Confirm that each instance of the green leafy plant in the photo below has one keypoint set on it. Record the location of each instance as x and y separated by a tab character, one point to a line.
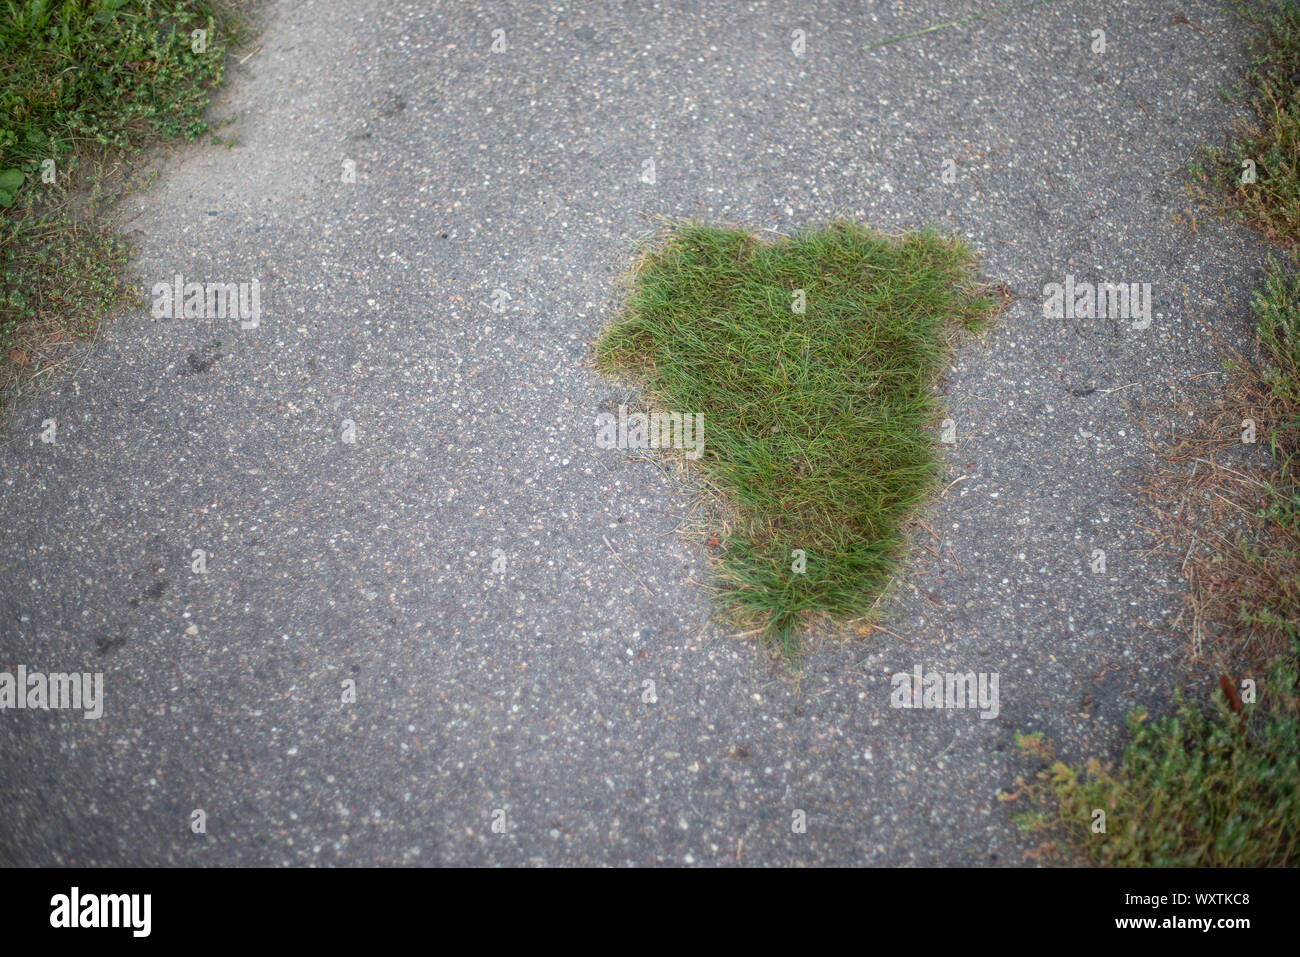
1192	789
11	180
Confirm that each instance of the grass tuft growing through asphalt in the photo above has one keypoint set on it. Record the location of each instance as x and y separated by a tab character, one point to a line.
820	424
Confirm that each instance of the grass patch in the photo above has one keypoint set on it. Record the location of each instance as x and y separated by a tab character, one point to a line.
60	272
84	84
819	426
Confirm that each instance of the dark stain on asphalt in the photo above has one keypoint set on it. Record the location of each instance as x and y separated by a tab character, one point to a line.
105	644
200	361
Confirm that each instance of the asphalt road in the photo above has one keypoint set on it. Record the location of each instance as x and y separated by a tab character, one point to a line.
522	690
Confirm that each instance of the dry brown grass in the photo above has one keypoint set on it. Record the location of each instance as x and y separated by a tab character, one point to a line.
1210	494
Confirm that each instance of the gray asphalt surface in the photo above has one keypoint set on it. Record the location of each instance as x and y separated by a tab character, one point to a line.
523	691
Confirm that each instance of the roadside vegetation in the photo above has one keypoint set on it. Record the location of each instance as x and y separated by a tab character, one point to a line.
1217	782
85	85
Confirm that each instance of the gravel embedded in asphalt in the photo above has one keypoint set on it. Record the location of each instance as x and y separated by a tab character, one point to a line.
524	690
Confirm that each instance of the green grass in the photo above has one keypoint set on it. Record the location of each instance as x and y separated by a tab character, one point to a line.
1269	136
113	73
1273	609
86	83
819	427
1277	326
61	272
1264	590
